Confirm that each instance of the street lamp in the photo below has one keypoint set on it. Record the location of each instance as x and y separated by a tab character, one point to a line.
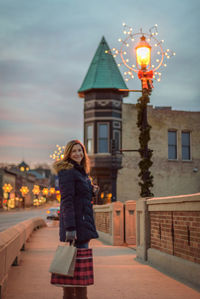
24	190
143	53
7	188
36	192
52	190
45	192
141	63
58	195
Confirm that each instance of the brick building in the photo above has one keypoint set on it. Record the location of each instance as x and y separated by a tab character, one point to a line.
175	141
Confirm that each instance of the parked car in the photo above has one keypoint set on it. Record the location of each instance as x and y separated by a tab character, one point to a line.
53	213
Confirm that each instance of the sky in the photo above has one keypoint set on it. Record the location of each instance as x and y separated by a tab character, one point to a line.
46	47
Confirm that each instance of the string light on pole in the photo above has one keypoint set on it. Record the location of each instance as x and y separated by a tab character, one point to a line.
58	154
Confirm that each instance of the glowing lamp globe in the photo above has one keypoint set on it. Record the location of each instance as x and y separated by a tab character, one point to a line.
143	54
45	191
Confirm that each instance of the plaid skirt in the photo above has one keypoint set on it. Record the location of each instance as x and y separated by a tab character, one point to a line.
83	273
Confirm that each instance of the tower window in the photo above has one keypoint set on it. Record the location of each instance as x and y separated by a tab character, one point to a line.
89	138
103	138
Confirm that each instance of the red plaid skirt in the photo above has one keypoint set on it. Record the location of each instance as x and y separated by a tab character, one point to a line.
83	273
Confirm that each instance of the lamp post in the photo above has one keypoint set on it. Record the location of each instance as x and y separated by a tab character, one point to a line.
58	195
36	192
45	192
135	54
24	190
143	62
52	193
7	188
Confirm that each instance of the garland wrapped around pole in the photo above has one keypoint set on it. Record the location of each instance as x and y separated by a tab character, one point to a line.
145	175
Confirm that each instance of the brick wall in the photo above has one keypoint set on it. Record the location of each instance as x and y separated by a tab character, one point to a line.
176	233
103	221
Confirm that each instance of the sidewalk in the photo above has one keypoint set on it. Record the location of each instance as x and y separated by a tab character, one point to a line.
117	274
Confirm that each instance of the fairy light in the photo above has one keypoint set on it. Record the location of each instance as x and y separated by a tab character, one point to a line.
58	154
130	40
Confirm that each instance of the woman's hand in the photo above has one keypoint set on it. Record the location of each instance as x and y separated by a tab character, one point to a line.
95	189
70	235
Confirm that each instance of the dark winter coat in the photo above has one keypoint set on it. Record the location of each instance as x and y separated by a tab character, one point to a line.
76	211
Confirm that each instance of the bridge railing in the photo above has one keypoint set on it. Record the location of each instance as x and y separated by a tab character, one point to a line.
12	242
168	234
115	222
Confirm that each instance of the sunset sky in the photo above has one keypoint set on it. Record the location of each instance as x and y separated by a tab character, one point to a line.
46	47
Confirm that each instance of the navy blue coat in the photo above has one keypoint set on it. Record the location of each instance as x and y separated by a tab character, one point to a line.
76	211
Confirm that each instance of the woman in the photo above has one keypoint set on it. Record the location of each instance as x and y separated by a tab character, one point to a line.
76	213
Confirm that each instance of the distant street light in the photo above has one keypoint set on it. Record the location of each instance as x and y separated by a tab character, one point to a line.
7	188
24	190
141	63
36	192
45	191
52	190
58	195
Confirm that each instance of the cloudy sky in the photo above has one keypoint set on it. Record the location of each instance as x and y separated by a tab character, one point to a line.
46	47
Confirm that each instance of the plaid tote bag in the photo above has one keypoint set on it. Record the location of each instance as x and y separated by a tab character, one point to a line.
83	273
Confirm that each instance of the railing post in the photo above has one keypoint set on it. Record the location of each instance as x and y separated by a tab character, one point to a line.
142	228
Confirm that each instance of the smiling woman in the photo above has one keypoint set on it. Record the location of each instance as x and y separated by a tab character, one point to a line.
76	212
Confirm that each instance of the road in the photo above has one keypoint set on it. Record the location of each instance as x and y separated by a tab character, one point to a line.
11	218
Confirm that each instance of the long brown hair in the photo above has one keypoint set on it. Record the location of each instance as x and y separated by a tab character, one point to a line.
67	151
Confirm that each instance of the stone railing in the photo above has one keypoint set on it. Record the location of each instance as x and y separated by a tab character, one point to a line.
12	241
168	234
115	222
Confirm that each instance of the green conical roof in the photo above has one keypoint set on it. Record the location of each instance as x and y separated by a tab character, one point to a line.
103	72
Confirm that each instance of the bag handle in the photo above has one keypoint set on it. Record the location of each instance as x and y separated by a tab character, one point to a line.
71	243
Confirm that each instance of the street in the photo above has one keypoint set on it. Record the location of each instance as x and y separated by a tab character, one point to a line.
11	218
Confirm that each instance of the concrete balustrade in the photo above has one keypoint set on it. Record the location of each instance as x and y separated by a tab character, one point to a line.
168	234
130	222
115	222
109	221
12	241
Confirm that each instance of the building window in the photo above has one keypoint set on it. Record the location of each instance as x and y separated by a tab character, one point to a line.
89	139
103	138
185	140
172	145
116	137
